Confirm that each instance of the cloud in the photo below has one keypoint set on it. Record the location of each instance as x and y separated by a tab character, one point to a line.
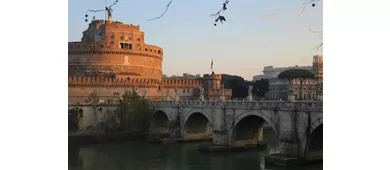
299	12
269	15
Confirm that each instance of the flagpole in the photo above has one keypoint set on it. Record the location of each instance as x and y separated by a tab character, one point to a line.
212	63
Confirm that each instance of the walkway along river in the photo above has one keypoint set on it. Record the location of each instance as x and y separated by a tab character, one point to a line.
139	155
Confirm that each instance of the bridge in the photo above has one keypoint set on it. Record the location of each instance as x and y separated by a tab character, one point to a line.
296	124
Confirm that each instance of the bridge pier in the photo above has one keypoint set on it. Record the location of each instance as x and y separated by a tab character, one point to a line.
221	138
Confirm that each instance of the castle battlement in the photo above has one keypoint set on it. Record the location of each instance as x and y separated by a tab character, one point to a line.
89	81
212	76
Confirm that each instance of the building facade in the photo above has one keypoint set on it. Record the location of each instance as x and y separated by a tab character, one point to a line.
279	89
113	57
270	72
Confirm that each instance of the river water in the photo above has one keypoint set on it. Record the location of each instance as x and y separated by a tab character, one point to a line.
138	155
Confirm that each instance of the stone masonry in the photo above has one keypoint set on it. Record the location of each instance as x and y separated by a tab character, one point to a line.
292	122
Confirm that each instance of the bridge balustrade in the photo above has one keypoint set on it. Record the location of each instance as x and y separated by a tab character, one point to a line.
229	104
240	104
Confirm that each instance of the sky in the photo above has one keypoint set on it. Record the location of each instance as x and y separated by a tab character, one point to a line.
257	33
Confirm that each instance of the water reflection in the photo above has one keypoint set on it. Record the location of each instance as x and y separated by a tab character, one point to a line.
142	156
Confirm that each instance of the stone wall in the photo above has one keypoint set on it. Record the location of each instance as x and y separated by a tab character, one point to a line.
80	87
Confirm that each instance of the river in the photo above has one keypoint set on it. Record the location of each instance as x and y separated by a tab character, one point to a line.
138	155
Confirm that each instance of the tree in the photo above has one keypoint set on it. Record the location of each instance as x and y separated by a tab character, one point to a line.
260	87
93	99
300	74
237	84
133	111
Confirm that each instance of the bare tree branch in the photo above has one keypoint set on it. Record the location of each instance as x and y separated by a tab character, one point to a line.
317	32
224	8
166	9
312	2
318	47
322	43
113	4
220	17
99	10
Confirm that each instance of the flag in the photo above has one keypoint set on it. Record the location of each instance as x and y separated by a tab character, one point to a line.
212	63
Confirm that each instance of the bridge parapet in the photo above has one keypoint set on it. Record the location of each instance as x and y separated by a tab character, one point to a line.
306	105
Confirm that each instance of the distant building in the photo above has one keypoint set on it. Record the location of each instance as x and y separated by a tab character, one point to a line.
270	72
317	66
186	76
278	89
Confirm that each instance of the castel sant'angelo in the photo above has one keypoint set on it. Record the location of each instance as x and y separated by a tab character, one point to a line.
112	57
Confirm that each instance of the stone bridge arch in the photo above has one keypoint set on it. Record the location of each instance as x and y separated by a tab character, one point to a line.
197	124
168	112
314	124
266	115
241	120
314	144
187	113
160	121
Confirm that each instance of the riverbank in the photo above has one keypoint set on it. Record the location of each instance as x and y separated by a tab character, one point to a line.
77	140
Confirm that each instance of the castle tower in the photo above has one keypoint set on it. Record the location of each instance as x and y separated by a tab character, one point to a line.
212	81
113	48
